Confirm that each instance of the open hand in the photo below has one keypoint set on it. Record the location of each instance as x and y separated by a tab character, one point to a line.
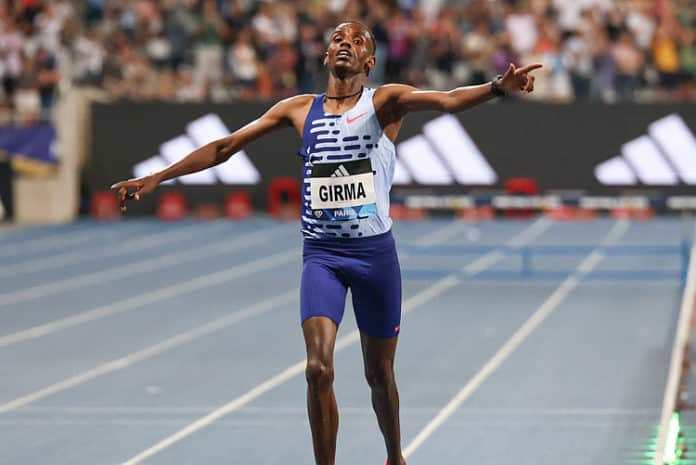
518	79
140	186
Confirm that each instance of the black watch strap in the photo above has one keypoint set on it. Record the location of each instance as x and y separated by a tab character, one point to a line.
495	87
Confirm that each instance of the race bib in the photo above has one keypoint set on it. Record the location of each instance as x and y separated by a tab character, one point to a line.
343	191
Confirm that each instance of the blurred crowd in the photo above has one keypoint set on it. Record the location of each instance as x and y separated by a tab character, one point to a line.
221	50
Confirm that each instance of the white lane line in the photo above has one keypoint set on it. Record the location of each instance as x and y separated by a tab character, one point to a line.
168	292
153	350
147	240
301	421
551	303
290	372
63	238
544	282
176	257
683	335
118	307
529	235
453	229
178	410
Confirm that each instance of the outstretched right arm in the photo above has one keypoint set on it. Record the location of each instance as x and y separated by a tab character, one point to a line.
218	151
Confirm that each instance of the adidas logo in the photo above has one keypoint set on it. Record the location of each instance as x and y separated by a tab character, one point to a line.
444	154
340	171
665	156
237	170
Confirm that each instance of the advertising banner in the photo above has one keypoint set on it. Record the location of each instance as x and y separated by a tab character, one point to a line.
587	148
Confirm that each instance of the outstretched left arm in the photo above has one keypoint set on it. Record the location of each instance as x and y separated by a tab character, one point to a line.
405	99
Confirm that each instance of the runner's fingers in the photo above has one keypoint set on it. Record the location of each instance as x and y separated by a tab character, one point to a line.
525	82
528	68
530	84
510	71
123	193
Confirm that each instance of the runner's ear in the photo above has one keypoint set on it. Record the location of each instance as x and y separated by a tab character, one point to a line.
369	64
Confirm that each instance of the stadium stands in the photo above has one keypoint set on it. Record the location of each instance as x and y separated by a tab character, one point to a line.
223	50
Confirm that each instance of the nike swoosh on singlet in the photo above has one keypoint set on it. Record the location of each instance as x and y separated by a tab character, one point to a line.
350	120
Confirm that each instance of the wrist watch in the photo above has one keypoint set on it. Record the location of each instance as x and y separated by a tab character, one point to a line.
495	87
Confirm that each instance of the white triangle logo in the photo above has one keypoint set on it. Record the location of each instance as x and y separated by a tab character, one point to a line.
664	156
237	170
340	171
444	154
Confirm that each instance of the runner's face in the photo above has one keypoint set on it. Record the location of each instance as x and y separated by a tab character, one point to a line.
350	49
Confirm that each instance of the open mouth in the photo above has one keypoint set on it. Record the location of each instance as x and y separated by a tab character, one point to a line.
343	54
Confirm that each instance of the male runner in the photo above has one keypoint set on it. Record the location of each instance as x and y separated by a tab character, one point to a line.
348	148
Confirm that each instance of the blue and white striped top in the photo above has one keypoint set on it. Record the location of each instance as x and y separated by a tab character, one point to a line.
348	172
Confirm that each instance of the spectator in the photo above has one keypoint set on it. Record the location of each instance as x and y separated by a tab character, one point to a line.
641	24
208	46
477	50
11	42
26	100
628	61
577	59
688	58
88	54
243	61
443	42
398	46
310	59
666	55
47	78
193	50
264	25
521	26
282	66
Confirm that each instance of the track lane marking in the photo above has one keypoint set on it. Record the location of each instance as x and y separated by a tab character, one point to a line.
546	308
425	295
146	240
154	350
143	266
57	239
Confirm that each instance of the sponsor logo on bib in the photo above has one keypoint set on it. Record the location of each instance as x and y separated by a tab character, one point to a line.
342	185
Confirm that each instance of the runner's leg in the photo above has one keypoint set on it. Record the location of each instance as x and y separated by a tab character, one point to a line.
322	302
376	290
320	338
378	356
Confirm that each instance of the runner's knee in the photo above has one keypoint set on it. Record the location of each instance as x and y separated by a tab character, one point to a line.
319	373
379	375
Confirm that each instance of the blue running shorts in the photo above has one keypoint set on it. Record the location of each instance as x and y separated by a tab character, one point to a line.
368	266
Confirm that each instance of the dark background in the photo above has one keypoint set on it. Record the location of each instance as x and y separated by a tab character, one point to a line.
6	189
558	145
